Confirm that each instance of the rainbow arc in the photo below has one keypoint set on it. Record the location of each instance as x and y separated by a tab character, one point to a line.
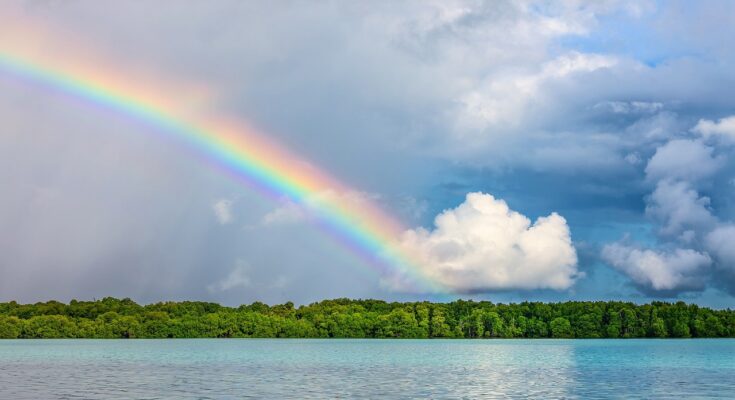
241	151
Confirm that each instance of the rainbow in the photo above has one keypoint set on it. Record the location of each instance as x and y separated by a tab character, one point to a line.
233	146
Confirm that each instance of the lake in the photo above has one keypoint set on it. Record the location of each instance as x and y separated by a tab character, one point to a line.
294	368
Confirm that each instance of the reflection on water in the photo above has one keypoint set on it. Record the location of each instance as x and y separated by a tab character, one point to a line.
367	368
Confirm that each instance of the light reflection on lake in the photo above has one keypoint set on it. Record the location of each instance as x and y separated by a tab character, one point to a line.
291	368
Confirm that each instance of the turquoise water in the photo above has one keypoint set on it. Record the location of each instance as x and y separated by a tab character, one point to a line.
290	368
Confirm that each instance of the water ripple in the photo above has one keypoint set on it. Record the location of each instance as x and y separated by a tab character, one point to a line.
404	369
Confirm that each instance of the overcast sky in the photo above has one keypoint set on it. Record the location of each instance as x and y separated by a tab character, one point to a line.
533	150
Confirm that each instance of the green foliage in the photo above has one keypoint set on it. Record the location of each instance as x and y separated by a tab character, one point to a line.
344	318
561	328
588	326
680	330
658	328
10	327
49	326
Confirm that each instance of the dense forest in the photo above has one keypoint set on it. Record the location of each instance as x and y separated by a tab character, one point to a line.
344	318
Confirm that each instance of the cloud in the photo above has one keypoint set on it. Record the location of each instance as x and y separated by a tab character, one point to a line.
286	213
238	277
503	101
680	169
678	209
724	128
675	270
721	243
223	211
633	158
689	160
483	245
289	212
661	126
630	107
549	104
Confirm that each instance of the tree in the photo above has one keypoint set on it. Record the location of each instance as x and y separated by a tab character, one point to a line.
629	324
438	327
680	330
614	324
123	318
474	325
493	325
49	327
561	328
10	327
399	324
422	314
713	327
537	328
658	328
588	326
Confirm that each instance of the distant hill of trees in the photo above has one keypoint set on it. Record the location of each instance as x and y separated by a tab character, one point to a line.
344	318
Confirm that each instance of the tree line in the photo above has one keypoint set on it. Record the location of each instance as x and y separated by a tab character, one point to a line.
345	318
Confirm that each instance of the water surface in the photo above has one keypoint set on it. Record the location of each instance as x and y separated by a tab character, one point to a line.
292	368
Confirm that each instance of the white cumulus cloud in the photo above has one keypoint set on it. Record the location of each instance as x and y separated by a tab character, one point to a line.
484	245
680	269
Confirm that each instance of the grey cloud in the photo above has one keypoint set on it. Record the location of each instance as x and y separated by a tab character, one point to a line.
720	242
238	277
660	271
661	126
630	107
679	209
680	169
724	128
688	160
223	211
420	79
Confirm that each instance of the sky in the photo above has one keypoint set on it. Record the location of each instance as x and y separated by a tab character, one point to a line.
542	151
